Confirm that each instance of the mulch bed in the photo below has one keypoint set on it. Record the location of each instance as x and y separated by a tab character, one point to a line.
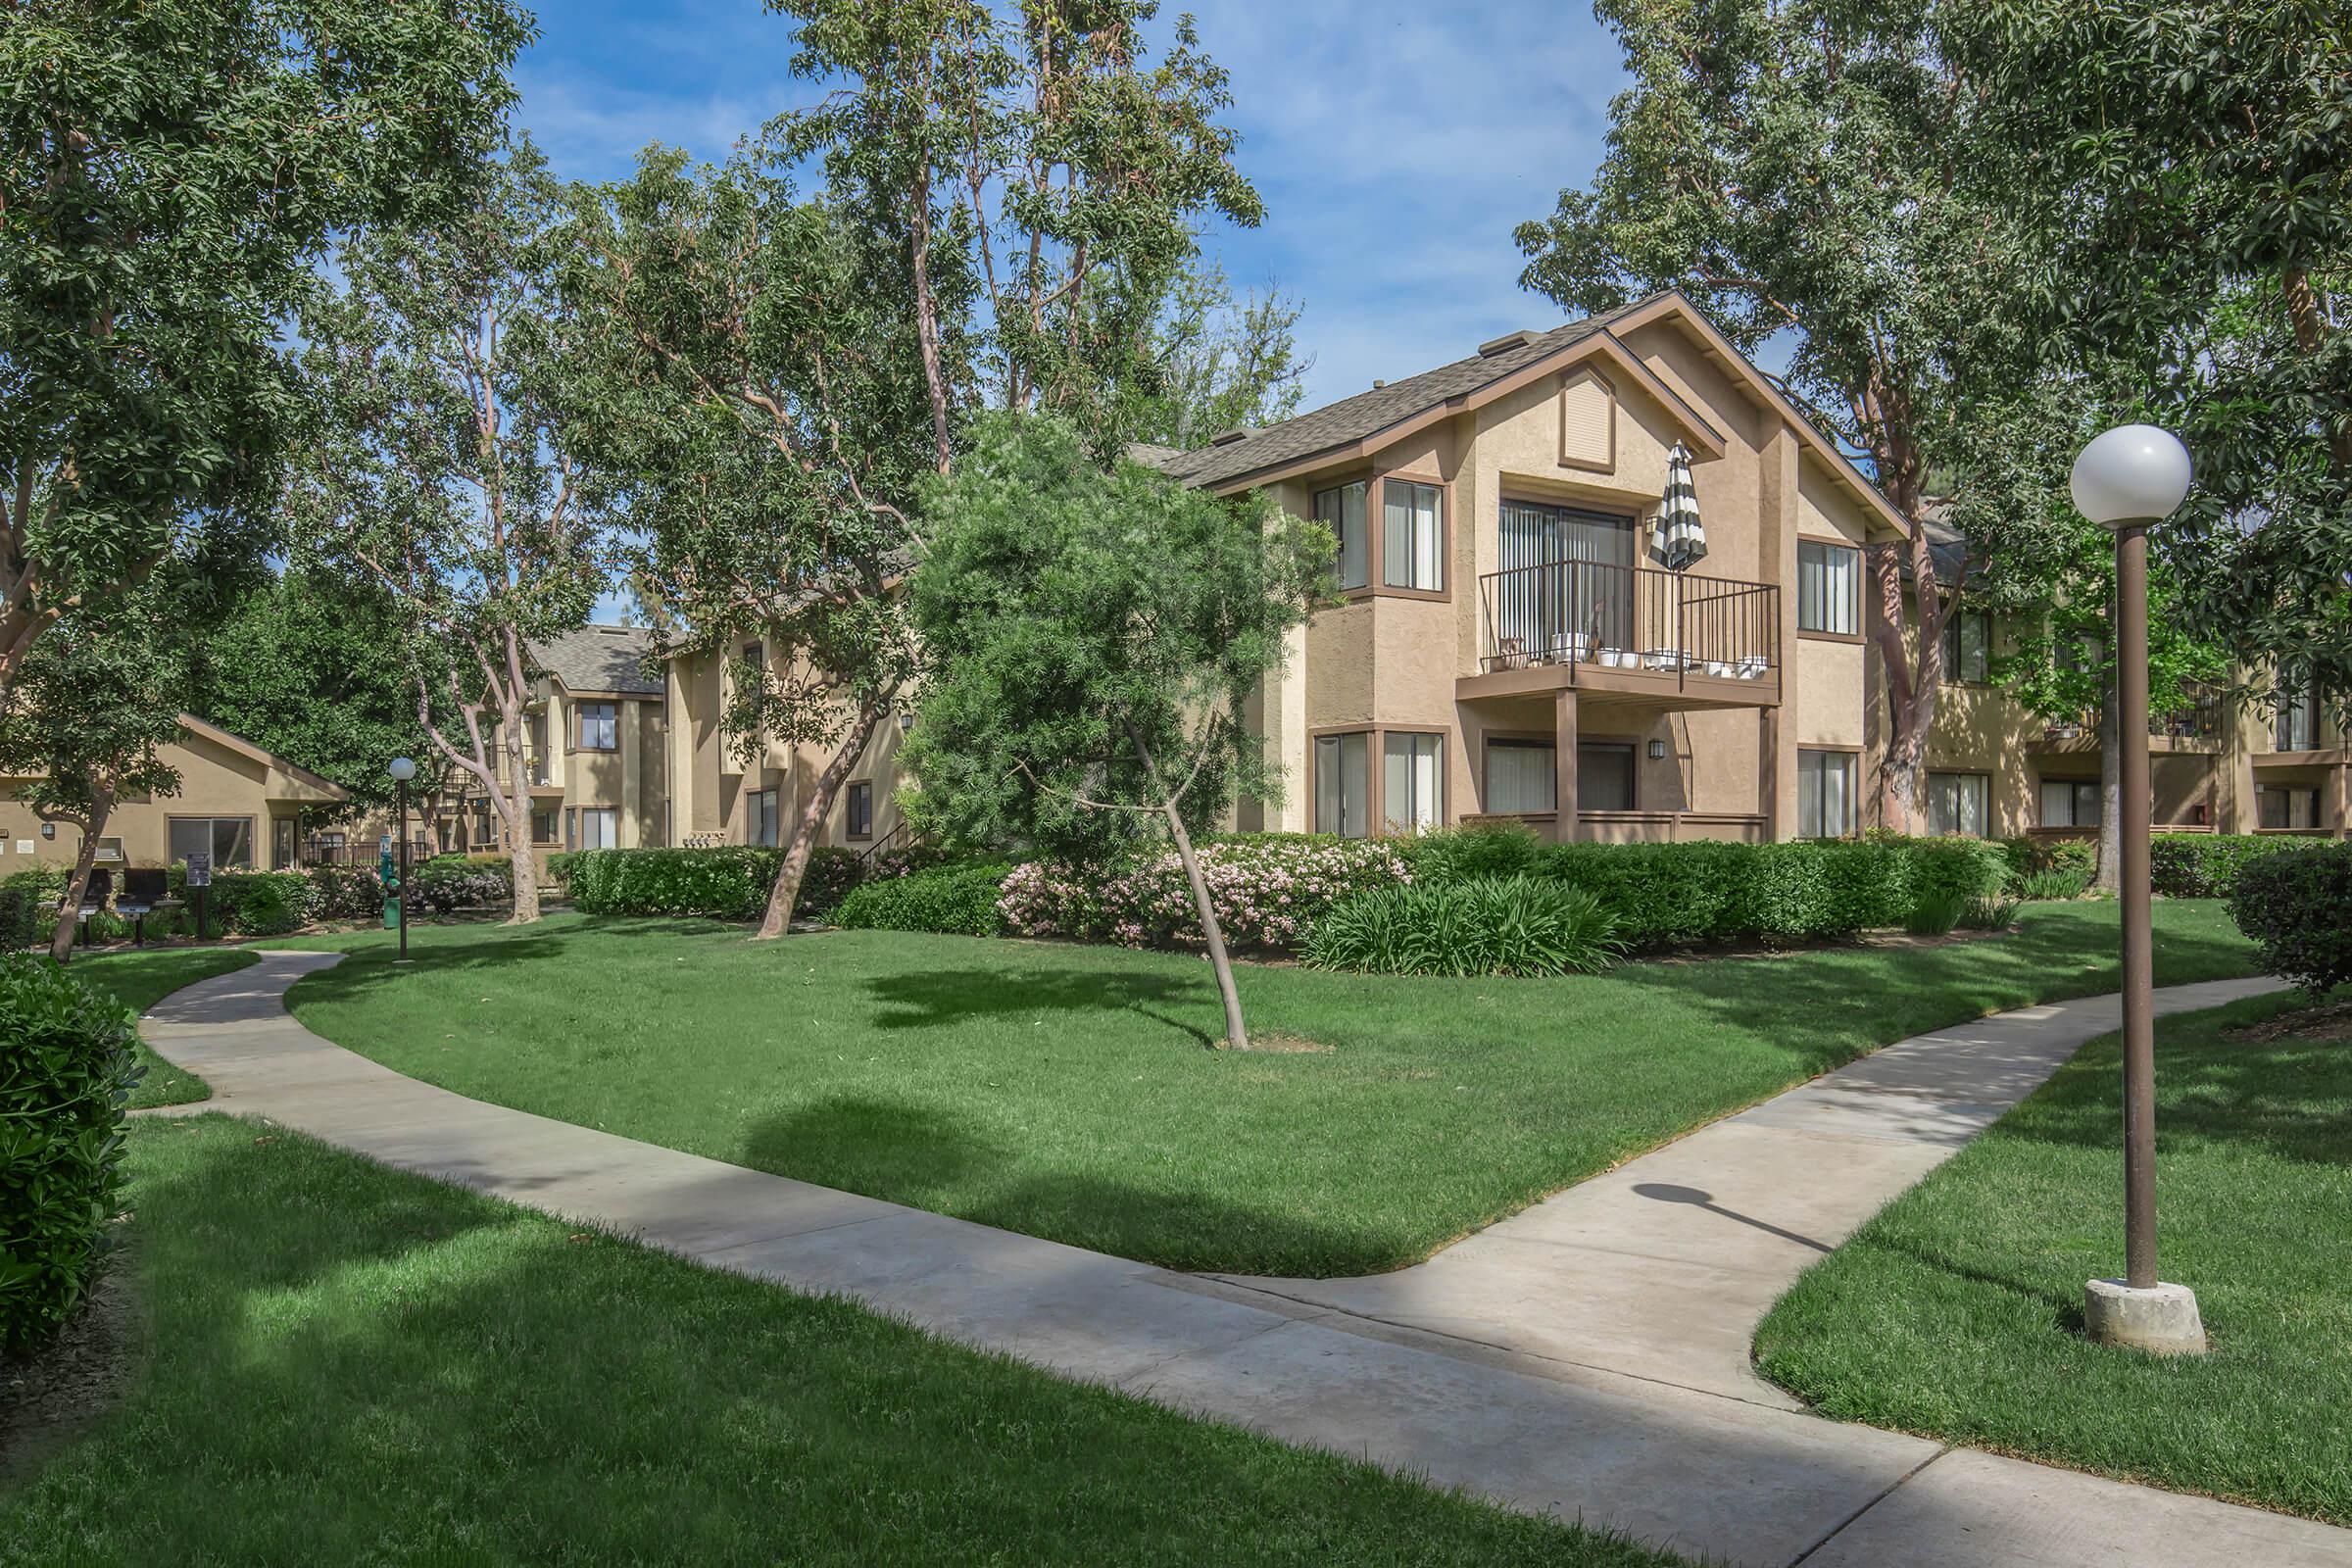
50	1396
2332	1021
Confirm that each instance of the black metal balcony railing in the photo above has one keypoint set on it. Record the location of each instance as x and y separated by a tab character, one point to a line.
1586	613
355	850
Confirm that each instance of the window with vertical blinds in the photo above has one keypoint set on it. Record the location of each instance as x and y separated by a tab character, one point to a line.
1412	786
1520	776
1412	542
1829	588
1342	510
1959	802
1825	795
1343	785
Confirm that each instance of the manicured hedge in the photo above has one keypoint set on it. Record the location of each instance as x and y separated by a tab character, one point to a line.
2296	907
68	1067
725	882
253	904
2028	857
23	918
2206	866
957	899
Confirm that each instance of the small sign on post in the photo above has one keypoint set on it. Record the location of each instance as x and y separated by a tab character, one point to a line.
200	878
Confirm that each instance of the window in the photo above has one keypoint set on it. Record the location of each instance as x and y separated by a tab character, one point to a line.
1412	546
1967	645
756	654
543	824
2070	803
600	827
1412	786
1567	585
1342	510
571	828
229	840
861	809
108	849
1957	802
1521	776
2276	806
1825	795
540	766
1343	785
2296	727
599	727
761	828
1604	777
1829	588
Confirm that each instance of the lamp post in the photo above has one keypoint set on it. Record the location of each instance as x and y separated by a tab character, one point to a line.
402	770
2129	479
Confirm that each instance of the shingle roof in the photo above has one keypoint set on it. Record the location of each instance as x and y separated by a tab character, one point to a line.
1351	419
603	658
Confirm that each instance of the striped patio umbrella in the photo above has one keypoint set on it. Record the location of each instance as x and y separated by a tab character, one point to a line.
1678	540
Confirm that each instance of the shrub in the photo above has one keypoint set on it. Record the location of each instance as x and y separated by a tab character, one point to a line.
2296	907
724	882
959	900
1991	912
1519	925
2207	865
23	919
1486	850
2053	883
347	892
1936	914
449	882
68	1069
2028	857
1267	890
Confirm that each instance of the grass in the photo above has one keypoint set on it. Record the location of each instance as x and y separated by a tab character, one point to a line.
344	1364
1063	1091
143	977
1957	1312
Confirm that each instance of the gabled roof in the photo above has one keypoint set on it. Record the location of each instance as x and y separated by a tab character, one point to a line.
602	658
261	754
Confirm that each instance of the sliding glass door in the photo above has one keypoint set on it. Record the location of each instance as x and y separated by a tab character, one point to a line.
1569	586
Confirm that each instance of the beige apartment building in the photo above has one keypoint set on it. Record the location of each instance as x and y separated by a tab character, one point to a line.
1506	648
237	803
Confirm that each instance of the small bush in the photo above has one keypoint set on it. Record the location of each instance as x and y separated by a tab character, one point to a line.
1486	850
68	1069
2296	907
2025	856
957	899
1520	925
2052	884
24	920
1936	914
2207	865
1267	889
346	893
1991	912
451	882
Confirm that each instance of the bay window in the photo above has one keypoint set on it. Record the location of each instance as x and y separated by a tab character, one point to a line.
1412	781
1412	544
1342	510
1344	784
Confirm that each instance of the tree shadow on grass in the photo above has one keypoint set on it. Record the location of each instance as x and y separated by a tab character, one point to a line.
936	998
933	1159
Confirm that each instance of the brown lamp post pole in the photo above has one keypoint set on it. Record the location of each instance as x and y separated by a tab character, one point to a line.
2129	479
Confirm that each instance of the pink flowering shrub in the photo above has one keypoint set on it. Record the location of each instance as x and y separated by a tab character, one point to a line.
1266	889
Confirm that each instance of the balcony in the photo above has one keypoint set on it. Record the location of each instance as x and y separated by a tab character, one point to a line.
1637	630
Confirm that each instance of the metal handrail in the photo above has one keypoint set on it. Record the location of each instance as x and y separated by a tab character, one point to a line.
1578	612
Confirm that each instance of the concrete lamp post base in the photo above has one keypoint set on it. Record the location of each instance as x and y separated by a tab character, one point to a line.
2160	1319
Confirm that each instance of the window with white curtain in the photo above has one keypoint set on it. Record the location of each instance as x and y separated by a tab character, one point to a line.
1412	542
1825	795
1521	776
2070	803
1343	785
1412	787
1829	588
1342	510
1959	802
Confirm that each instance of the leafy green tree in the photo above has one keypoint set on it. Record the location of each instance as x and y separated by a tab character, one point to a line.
440	476
170	173
1808	167
1043	180
748	387
1093	638
1222	362
313	664
85	718
2192	168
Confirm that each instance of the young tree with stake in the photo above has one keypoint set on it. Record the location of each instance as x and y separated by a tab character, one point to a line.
1094	637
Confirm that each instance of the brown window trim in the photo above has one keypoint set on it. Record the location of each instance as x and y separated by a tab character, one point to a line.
1376	774
1550	738
1861	599
1855	752
849	785
1375	483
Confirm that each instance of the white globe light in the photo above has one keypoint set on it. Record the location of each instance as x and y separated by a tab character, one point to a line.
401	770
2131	473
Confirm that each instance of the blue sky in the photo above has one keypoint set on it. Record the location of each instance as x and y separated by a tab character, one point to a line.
1395	145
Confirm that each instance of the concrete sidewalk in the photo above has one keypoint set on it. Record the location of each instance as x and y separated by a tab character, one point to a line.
1659	1439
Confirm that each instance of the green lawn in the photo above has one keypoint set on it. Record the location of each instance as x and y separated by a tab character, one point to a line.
1957	1312
345	1364
1063	1090
142	977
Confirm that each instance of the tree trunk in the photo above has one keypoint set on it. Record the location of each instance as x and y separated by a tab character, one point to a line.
785	890
1237	1034
61	940
2110	876
520	857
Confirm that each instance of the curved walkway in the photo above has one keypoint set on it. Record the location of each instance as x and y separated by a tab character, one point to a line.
1555	1405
